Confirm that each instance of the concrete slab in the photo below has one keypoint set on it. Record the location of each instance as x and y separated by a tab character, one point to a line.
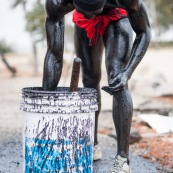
108	145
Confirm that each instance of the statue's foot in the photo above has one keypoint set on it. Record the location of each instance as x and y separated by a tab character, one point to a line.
120	165
97	153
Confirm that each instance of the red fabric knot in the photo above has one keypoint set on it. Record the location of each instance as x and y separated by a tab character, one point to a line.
96	26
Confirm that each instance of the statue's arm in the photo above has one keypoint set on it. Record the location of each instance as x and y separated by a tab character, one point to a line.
55	42
139	21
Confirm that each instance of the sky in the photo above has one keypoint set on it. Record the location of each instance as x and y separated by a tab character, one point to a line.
12	27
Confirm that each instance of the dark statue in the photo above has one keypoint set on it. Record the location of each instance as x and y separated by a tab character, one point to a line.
101	24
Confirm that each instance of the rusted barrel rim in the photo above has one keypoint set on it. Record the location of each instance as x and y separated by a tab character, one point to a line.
63	90
61	101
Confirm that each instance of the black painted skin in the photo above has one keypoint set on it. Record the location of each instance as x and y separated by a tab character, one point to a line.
122	57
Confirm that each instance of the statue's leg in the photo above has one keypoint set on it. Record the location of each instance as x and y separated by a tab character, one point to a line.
118	43
91	65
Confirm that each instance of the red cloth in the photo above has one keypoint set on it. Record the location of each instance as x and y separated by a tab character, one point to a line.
95	27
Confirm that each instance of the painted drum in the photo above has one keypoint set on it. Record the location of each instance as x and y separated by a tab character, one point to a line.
58	130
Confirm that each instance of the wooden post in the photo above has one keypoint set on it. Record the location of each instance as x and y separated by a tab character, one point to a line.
75	74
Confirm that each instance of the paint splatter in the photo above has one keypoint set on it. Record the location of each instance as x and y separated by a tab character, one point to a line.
61	101
58	156
62	144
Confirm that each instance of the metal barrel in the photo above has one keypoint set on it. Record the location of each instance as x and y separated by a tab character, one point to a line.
58	129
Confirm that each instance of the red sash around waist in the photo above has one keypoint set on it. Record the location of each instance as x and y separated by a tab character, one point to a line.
95	27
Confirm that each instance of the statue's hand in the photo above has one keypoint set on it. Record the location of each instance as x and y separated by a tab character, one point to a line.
116	84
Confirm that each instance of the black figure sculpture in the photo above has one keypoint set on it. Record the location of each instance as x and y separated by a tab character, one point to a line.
101	24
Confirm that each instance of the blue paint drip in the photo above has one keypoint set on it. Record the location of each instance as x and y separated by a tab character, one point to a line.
53	156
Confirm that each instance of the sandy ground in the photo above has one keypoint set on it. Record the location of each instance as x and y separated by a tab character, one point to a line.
156	62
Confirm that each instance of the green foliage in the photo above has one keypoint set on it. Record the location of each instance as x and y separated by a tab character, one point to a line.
35	18
164	12
4	48
35	21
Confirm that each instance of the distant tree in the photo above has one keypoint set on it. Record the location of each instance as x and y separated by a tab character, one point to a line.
34	18
35	22
4	49
164	12
18	3
34	25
